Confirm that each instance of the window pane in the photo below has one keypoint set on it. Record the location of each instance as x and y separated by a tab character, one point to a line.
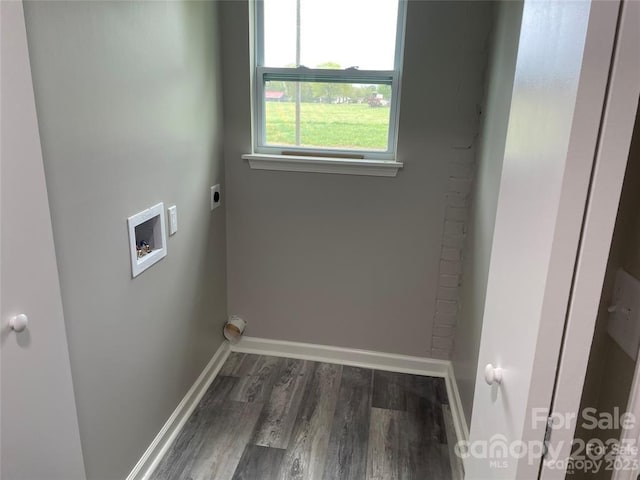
329	115
333	33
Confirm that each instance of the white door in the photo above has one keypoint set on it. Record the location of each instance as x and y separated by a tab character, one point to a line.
564	56
39	437
608	175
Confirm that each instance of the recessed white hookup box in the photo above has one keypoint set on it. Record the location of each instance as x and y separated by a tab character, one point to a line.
147	238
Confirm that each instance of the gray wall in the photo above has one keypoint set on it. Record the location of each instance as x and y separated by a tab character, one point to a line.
490	155
127	95
349	260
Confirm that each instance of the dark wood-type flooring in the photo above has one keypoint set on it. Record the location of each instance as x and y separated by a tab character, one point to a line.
270	418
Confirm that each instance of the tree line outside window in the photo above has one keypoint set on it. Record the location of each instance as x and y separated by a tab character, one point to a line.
328	92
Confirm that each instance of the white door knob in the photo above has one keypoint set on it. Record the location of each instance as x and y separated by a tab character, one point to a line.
19	322
492	374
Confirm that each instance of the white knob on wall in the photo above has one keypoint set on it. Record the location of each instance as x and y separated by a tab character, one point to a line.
19	322
492	374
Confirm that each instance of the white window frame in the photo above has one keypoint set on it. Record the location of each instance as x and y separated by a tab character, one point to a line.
324	159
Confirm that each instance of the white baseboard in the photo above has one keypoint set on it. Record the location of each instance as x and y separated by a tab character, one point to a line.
149	461
344	356
367	359
455	403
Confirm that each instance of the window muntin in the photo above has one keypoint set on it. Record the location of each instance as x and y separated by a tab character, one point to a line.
333	83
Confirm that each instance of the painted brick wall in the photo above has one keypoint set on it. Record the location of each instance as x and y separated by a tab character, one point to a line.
461	173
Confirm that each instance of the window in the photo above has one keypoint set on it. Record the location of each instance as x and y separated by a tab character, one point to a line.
327	78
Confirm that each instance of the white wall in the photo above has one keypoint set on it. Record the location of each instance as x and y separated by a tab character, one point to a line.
127	95
602	389
347	260
490	154
39	422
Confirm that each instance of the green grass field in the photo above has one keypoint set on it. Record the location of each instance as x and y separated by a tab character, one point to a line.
329	125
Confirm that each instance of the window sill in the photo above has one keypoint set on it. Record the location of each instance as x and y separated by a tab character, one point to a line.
344	166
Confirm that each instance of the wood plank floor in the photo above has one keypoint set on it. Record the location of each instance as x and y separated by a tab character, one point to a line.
269	418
